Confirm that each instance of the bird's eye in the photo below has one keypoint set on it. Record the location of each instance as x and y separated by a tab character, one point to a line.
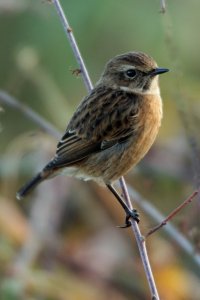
130	73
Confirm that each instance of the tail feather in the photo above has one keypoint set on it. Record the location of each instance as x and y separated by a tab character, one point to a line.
30	185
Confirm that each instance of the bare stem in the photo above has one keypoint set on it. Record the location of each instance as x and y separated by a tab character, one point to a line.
141	245
73	43
28	112
162	6
182	98
87	81
173	232
173	213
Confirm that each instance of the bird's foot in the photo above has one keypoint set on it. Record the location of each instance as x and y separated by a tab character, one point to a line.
130	214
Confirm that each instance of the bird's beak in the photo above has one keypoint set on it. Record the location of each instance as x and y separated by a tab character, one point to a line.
158	71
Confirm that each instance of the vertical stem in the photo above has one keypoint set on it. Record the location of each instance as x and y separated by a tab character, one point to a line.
141	244
73	43
162	6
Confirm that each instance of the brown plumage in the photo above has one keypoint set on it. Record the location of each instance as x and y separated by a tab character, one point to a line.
113	127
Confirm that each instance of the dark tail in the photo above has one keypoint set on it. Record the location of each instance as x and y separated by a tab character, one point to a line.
31	184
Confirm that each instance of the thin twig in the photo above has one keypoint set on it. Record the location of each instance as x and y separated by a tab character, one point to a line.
73	43
170	229
135	228
173	213
162	6
141	245
182	99
28	112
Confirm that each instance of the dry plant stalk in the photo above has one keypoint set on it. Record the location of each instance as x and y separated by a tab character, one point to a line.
162	6
173	213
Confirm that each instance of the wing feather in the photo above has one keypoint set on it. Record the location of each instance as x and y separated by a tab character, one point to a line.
92	129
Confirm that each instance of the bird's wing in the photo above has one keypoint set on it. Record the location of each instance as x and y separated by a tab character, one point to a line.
74	148
92	131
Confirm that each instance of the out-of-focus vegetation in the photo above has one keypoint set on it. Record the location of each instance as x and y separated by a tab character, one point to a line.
61	242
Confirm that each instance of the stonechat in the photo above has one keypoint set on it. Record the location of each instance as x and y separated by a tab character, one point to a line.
112	128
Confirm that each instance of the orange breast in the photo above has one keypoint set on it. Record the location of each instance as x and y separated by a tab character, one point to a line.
149	119
111	164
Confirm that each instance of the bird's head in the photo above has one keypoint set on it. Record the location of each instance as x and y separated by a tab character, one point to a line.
134	71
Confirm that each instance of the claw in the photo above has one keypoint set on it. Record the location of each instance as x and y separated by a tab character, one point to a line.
130	214
126	225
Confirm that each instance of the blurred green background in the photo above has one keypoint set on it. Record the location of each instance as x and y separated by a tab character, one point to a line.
64	244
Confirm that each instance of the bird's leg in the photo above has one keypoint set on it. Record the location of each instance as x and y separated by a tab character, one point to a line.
129	212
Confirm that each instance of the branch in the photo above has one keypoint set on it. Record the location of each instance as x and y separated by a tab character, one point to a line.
29	113
177	236
182	98
141	245
135	228
73	43
162	6
173	213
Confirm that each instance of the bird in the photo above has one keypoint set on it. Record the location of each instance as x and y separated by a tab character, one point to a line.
112	128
